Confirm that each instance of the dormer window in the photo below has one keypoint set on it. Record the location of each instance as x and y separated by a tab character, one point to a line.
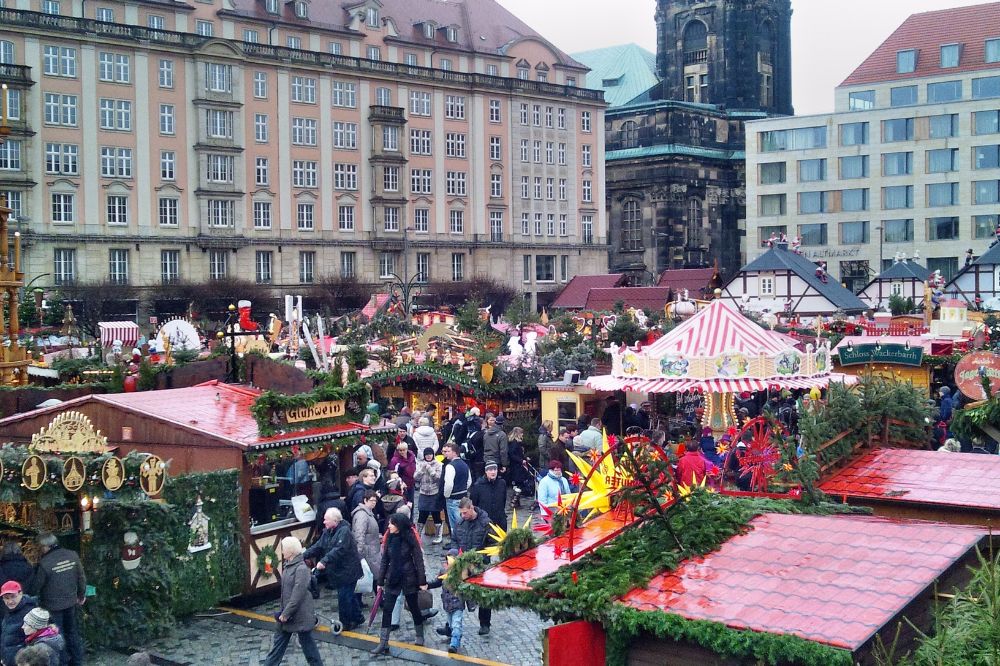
371	17
451	34
429	30
271	6
523	70
301	10
950	54
906	61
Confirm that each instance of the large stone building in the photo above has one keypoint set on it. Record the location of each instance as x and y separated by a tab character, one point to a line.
908	162
675	160
281	141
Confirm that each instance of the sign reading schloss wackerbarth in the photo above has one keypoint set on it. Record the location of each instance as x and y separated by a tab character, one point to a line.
321	410
881	353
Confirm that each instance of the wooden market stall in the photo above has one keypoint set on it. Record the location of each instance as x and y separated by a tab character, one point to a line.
212	427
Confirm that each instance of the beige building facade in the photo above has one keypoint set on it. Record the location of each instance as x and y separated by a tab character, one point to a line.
155	141
907	164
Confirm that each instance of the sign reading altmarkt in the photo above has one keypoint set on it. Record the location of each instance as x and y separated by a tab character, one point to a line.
329	409
881	353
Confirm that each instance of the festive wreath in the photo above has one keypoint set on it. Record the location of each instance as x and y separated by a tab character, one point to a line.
267	560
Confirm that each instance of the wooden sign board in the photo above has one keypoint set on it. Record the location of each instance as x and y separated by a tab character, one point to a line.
971	369
329	409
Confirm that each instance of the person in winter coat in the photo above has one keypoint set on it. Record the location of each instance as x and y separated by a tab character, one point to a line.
517	473
14	566
401	573
298	613
452	604
366	481
947	404
495	445
404	463
17	604
457	430
425	436
39	631
490	494
474	449
430	504
470	534
403	419
545	442
61	586
336	555
590	439
691	468
552	485
560	450
329	497
366	533
365	457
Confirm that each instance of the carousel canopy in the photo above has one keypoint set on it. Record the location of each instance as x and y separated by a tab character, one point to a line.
718	350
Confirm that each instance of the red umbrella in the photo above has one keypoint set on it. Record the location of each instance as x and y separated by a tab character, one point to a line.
375	606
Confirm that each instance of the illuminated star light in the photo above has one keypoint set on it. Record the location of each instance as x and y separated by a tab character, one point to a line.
500	534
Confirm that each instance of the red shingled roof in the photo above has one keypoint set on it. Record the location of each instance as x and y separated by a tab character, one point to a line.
653	298
695	280
574	295
967	480
927	32
830	579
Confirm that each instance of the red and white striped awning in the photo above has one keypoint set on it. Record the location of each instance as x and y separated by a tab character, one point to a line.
125	331
719	329
674	385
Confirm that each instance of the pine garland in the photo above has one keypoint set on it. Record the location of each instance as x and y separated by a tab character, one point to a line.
266	407
446	377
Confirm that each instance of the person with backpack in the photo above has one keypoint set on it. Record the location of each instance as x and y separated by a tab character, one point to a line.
474	450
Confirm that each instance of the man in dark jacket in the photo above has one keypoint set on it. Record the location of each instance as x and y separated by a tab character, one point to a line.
470	534
490	494
457	430
495	444
298	612
17	605
61	586
336	554
453	485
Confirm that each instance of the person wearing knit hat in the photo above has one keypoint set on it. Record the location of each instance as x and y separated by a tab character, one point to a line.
39	632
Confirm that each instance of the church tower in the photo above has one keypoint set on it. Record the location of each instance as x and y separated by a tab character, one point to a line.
735	54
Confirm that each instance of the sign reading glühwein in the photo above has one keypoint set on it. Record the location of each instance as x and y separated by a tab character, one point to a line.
881	353
321	410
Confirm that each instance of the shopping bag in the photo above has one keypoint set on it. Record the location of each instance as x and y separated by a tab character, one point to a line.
365	583
425	600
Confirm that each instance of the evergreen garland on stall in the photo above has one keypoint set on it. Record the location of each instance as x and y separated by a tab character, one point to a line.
267	406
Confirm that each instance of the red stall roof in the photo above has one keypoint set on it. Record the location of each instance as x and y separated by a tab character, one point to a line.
831	579
574	294
967	480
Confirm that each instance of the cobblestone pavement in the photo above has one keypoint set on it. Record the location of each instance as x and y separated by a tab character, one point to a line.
230	640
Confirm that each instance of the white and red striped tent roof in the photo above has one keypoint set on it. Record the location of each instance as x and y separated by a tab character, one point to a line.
719	329
125	331
715	385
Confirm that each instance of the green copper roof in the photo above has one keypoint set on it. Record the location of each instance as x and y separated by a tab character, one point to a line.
623	72
674	149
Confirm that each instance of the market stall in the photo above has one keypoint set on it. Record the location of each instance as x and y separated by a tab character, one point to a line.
216	426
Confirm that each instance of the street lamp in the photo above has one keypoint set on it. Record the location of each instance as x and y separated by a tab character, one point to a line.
656	251
406	289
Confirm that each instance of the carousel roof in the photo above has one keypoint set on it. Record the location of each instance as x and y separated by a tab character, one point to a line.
830	579
720	328
965	480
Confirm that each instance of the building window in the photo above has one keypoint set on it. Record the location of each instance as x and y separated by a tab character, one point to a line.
854	200
305	216
585	121
261	214
118	266
170	266
496	148
116	162
390	218
13	104
853	233
898	231
496	226
262	175
525	187
942	228
50	7
421	181
456	220
538	224
854	166
986	88
454	107
62	158
260	130
985	192
263	267
218	264
944	91
772	204
984	226
766	285
906	61
986	157
423	267
772	173
899	129
812	170
204	28
944	126
420	142
63	208
64	266
455	183
114	67
221	213
344	94
302	11
260	85
219	168
947	265
374	53
802	138
986	122
629	134
863	100
815	202
60	109
585	158
993	50
345	218
495	113
903	96
769	233
390	179
631	226
116	114
587	229
545	268
813	234
588	194
896	197
10	155
304	89
942	160
854	134
496	185
345	176
950	54
117	210
167	124
420	103
347	262
307	267
59	61
897	164
251	36
345	135
942	194
166	74
550	192
386	265
454	144
371	17
457	266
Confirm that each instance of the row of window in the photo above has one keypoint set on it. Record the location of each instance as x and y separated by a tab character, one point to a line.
950	56
941	160
550	189
938	92
896	197
890	231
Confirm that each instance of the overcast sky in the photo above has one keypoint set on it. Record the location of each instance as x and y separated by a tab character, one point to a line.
829	39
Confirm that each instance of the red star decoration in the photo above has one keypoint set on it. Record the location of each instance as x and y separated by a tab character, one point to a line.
594	454
575	479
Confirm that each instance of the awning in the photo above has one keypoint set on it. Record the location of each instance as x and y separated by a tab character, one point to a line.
641	385
125	331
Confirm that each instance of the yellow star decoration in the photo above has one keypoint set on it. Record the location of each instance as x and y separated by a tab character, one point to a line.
607	478
499	534
685	491
787	467
451	561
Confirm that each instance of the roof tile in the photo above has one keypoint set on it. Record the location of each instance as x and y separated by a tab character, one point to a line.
574	294
652	298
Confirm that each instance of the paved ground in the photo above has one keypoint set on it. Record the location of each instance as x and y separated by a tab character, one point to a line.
243	638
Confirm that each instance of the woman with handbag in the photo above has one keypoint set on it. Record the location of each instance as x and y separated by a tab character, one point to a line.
364	527
401	572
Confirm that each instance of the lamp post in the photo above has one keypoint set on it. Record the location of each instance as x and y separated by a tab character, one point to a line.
656	252
229	331
406	289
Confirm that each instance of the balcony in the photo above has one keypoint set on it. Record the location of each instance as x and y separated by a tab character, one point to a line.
696	57
385	114
16	76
